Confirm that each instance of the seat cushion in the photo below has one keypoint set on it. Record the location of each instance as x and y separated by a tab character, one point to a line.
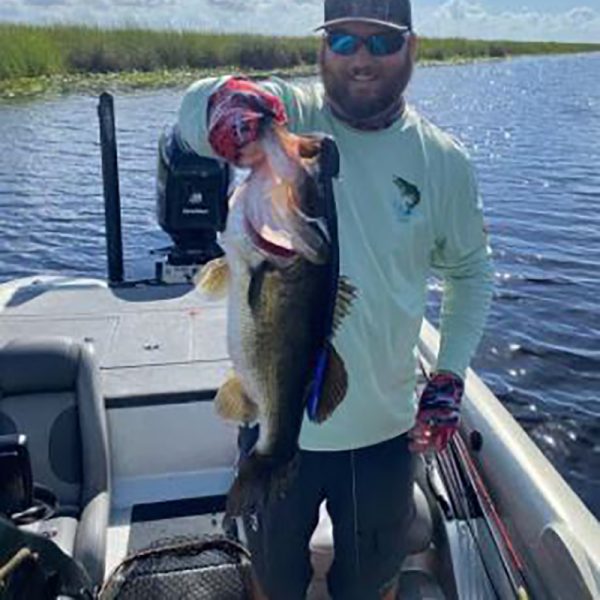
50	390
321	545
420	532
61	530
50	422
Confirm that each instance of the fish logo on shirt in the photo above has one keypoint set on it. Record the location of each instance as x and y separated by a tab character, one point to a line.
409	197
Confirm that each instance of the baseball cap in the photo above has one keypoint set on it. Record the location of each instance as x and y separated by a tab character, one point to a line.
395	14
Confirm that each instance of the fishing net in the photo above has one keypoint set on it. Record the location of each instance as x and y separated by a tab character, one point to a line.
208	568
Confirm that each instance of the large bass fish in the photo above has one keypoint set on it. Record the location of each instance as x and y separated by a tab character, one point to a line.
285	300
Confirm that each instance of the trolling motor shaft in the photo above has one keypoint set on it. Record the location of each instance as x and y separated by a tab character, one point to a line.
112	197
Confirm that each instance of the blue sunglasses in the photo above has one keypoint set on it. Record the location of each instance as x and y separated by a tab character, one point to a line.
378	44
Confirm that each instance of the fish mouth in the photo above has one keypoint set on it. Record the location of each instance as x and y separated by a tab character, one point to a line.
311	241
275	245
278	216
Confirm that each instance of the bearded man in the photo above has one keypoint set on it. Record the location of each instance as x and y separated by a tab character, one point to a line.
407	205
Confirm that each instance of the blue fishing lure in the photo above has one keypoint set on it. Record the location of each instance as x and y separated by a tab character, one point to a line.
329	168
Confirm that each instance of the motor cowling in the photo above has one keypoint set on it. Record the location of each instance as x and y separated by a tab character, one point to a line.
191	196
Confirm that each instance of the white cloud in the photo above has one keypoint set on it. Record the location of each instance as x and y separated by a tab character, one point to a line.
146	3
285	17
11	10
45	3
469	18
462	18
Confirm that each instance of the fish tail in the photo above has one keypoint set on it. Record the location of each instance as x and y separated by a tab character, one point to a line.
260	480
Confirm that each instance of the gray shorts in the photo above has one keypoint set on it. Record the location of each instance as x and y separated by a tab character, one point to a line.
369	495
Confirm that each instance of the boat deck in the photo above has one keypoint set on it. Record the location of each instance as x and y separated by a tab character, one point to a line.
149	340
162	354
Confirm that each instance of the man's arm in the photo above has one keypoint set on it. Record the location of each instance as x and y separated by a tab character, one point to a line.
462	258
192	117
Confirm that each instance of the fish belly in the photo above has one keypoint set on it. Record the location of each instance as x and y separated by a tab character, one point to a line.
241	258
271	346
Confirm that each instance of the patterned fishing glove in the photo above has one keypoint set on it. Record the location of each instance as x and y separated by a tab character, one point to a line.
237	111
438	415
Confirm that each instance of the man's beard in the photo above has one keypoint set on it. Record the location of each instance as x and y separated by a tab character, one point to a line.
366	113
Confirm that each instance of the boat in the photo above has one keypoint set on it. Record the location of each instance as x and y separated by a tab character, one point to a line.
112	382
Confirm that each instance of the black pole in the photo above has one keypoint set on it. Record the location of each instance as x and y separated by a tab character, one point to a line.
110	180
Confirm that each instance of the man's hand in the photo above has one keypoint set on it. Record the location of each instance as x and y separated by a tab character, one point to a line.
237	111
439	413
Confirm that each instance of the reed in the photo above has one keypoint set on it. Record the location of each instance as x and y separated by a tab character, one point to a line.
29	51
452	48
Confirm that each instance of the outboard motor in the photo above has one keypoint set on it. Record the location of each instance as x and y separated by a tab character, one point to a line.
191	205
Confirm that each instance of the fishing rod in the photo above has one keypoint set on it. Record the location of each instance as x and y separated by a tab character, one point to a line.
511	560
470	496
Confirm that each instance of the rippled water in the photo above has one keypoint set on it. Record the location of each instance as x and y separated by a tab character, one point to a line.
533	128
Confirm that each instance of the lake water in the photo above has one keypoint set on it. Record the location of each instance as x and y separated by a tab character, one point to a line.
532	126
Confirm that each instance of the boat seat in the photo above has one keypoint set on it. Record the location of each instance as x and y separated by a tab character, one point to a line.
50	391
418	540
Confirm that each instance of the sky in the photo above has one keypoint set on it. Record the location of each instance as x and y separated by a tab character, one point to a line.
547	20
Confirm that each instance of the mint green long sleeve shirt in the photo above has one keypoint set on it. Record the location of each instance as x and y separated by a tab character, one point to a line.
408	206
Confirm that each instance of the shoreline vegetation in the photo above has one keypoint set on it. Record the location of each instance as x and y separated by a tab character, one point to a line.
59	59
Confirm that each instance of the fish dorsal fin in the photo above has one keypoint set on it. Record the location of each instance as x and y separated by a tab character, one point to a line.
329	387
213	278
345	297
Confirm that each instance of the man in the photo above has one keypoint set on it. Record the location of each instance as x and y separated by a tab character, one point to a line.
407	203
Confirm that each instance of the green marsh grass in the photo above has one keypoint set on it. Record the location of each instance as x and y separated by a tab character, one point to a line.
63	57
